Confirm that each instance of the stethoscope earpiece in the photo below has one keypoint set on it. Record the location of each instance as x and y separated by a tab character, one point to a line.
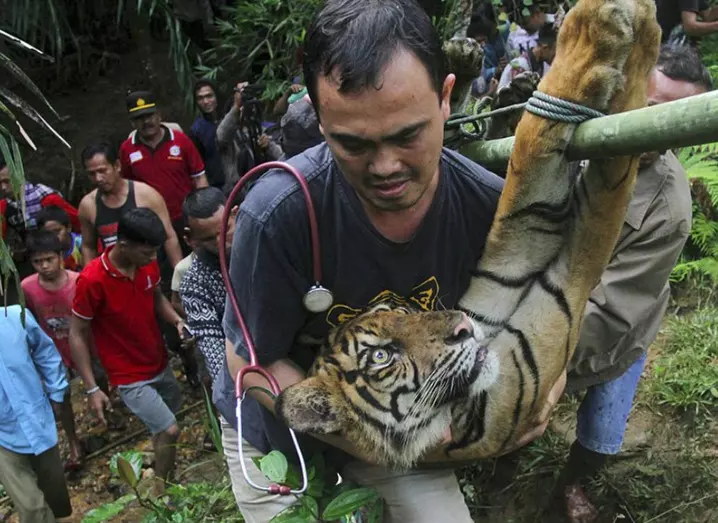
318	299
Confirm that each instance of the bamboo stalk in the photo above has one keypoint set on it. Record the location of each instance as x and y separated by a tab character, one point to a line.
690	121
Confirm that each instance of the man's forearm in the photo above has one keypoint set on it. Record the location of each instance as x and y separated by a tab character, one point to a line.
285	371
164	309
173	249
200	181
80	351
693	27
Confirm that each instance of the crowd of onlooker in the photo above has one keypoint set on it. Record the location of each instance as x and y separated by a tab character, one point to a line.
135	267
130	271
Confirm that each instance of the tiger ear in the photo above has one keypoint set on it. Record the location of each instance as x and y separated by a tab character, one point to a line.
309	406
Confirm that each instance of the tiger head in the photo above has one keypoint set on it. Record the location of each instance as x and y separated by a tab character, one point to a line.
388	380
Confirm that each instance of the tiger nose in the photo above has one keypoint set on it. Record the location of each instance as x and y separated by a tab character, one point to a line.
463	330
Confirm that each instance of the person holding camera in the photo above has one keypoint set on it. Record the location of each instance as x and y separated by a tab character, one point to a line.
241	141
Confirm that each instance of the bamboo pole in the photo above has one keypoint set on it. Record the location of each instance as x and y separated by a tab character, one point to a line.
690	121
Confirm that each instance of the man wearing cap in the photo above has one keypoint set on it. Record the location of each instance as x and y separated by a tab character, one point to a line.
161	157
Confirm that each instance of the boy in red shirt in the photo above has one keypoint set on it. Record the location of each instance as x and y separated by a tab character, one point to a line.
49	294
57	221
117	302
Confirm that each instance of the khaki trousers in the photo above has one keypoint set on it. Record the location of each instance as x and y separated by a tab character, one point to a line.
420	496
36	485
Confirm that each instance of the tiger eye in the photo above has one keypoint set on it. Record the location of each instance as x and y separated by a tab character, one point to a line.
380	356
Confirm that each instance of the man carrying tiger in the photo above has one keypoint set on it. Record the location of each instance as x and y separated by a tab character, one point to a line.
403	225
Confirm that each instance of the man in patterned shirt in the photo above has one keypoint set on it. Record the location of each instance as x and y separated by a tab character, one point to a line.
202	290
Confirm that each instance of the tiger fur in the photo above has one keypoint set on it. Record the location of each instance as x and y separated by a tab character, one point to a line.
552	236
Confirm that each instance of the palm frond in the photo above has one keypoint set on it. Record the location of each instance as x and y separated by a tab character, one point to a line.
31	113
25	80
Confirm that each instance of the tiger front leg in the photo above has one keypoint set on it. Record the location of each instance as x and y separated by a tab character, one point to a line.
605	188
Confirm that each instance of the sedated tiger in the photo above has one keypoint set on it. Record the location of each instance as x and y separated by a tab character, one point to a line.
393	379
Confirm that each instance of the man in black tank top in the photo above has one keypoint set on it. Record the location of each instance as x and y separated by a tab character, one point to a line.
100	210
106	218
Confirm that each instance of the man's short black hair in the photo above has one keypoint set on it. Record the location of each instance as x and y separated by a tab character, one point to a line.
202	203
683	63
52	214
547	34
102	147
2	162
480	26
40	241
358	38
204	82
141	225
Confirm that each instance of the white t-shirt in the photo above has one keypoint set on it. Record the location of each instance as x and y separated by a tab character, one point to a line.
180	269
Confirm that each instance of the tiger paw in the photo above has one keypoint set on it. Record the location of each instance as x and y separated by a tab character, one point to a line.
601	44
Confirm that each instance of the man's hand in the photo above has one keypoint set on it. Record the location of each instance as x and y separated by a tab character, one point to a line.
295	88
238	94
99	402
263	142
186	341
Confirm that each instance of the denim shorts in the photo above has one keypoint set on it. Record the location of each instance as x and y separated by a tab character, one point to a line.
603	414
154	401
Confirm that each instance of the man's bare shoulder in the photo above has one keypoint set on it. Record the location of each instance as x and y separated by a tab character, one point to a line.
87	204
146	195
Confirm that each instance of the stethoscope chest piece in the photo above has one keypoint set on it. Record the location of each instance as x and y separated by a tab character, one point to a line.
318	299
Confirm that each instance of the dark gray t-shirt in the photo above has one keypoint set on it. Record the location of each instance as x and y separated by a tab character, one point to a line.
271	265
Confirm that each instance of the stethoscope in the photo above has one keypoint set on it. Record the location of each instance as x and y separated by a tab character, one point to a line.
317	299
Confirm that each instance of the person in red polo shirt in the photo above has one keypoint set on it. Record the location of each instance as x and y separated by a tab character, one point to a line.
116	302
163	158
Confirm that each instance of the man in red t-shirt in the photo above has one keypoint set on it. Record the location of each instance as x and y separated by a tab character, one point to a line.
116	302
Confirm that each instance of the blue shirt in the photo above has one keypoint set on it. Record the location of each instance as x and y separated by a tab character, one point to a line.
204	135
30	370
271	265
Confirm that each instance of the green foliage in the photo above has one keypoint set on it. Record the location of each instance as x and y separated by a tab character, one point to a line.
259	42
10	148
109	510
674	485
132	457
699	260
198	502
324	500
211	424
685	375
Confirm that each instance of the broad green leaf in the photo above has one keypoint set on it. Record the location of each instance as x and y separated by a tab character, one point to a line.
291	515
133	457
311	505
503	17
525	12
126	472
714	392
528	2
274	465
348	502
110	510
30	112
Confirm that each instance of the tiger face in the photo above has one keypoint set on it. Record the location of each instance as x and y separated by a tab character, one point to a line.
390	380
